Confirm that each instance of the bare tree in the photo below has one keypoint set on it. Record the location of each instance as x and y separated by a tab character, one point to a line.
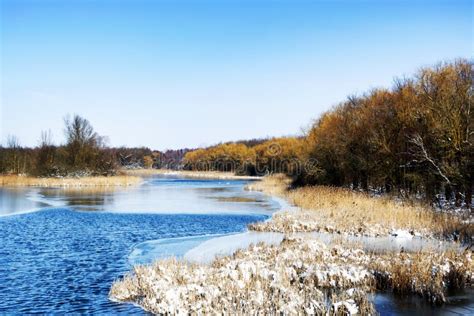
45	158
423	156
46	139
82	143
13	161
13	142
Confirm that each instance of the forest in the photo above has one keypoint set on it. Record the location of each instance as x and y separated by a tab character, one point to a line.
413	139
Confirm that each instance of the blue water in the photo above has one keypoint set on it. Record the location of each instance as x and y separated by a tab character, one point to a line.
64	259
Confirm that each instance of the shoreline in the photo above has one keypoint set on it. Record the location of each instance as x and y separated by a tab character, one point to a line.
189	174
338	266
81	182
123	179
348	213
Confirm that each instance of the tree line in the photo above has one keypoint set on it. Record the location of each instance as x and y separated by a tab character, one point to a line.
274	155
84	153
415	138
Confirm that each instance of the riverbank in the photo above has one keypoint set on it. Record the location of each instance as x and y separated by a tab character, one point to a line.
302	274
189	174
100	181
345	212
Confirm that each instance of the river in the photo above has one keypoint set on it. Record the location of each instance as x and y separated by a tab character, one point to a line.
61	249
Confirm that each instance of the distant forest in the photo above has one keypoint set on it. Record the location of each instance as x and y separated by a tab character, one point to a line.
84	153
415	138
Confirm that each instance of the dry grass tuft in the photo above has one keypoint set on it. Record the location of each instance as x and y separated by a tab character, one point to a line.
426	274
277	185
19	181
344	211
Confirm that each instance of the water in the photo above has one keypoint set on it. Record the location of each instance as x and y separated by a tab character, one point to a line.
460	302
61	249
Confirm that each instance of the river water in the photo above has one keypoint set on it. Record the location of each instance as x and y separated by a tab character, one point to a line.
61	249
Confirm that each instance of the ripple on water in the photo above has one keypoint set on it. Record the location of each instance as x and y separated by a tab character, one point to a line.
65	261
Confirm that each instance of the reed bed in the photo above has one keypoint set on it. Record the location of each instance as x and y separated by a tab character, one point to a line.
428	275
100	181
294	278
341	210
299	276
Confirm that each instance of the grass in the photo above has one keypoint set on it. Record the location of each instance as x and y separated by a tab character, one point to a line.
299	276
342	210
21	181
428	275
258	280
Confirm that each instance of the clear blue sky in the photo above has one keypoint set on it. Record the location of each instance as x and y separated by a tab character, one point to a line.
170	74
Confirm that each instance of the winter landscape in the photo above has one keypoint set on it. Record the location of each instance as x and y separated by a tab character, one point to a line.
237	157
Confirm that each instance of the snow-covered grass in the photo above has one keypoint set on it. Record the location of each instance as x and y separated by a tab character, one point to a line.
299	276
424	274
341	210
119	180
295	277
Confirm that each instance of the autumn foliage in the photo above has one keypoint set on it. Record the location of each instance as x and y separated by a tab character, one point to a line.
415	138
273	155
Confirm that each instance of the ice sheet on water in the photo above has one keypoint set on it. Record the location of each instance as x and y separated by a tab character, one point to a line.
149	251
227	245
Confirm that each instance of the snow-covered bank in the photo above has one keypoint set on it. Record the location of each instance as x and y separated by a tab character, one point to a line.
300	275
227	245
342	211
262	278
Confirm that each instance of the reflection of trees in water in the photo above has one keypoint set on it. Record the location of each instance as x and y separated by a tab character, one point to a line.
13	200
93	196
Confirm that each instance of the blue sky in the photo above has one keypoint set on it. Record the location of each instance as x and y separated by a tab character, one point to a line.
171	74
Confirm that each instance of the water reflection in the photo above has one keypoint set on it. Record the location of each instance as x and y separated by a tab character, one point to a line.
163	195
17	200
84	198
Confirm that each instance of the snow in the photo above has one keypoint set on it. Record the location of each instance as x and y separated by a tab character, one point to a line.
400	233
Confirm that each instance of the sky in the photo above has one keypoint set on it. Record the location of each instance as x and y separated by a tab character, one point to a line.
173	74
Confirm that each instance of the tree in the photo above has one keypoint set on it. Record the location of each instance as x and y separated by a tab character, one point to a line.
45	157
147	162
14	157
82	144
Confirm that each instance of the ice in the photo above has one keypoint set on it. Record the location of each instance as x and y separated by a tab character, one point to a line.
227	245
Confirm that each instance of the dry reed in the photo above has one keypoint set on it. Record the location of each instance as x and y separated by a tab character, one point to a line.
120	180
428	275
290	279
299	276
344	211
